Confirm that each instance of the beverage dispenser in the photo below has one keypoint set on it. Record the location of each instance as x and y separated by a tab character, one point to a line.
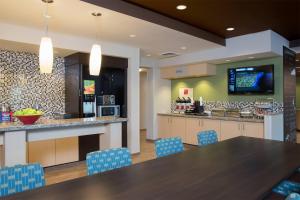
89	99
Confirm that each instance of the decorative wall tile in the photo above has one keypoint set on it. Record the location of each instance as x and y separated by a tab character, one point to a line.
23	86
241	105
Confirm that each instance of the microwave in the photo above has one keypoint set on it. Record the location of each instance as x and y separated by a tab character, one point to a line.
108	110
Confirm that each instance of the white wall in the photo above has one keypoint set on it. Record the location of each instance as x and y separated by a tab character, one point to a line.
159	96
143	99
29	35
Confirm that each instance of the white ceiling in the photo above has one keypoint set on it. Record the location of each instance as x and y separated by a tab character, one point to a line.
74	17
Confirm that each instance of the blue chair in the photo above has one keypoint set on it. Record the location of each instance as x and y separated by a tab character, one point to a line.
21	178
286	188
293	196
168	146
207	137
109	159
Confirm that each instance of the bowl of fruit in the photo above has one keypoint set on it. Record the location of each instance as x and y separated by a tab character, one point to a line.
28	116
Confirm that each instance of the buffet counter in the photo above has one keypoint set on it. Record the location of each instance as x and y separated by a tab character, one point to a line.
239	119
187	126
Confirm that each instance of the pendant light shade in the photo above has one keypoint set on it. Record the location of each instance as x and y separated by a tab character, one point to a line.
46	55
95	60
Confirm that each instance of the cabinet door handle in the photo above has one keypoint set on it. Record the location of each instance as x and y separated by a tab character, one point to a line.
202	123
199	122
243	126
239	126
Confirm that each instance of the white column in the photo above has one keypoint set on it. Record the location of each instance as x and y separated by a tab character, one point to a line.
15	148
112	138
273	127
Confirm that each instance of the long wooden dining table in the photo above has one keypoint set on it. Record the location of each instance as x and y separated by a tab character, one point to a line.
241	168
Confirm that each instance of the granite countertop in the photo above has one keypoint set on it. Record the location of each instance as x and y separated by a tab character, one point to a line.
239	119
59	123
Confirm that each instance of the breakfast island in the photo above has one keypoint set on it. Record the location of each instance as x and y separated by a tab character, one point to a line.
15	136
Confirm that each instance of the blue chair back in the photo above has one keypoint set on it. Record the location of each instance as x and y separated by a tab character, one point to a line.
293	196
109	159
286	187
168	146
207	137
21	178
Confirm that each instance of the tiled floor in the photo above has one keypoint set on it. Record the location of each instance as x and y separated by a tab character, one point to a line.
74	170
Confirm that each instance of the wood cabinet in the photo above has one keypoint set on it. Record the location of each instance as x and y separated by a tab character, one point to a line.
164	128
230	129
53	152
66	150
171	127
208	124
178	125
251	129
195	70
188	127
194	126
42	152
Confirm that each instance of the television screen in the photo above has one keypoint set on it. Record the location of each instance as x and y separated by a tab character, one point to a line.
251	80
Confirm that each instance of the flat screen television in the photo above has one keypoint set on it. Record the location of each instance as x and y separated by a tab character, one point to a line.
251	80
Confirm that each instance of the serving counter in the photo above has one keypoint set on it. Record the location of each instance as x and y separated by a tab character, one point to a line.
15	136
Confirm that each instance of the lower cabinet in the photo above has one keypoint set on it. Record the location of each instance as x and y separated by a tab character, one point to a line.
42	152
164	127
171	127
252	129
178	125
194	126
188	127
66	150
231	129
53	152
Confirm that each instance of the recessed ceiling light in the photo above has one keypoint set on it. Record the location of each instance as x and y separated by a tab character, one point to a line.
181	7
183	48
227	60
148	55
250	57
132	35
297	60
140	69
230	29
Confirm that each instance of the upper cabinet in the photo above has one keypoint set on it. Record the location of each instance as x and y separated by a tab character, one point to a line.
196	70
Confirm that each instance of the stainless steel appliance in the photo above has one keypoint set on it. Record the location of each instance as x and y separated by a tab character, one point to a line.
106	100
219	112
108	110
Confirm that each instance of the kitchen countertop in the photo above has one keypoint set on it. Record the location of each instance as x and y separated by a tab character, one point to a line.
59	123
239	119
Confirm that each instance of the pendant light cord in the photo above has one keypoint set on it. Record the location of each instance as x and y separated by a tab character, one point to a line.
97	25
46	16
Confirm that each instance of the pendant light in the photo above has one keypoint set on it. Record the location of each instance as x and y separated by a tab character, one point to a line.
46	47
95	55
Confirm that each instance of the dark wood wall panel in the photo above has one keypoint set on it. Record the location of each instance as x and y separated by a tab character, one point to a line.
289	94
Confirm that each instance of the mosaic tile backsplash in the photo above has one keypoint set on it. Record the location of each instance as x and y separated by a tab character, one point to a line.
23	86
247	105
